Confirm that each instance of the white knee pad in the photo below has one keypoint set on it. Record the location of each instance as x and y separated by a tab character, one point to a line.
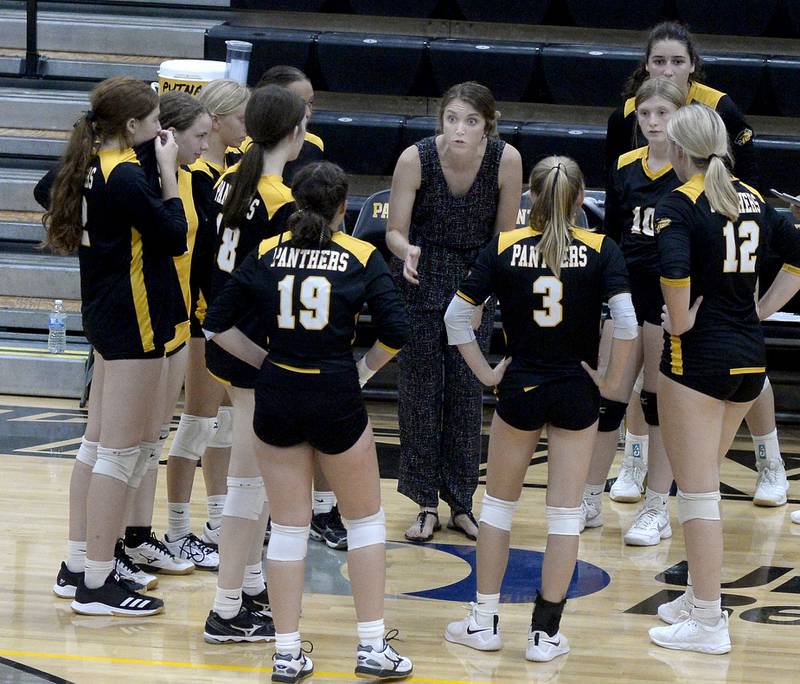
223	437
193	436
87	452
245	498
288	543
117	463
367	531
564	521
148	452
698	506
497	512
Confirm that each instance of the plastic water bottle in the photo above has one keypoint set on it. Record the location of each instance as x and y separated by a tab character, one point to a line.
57	329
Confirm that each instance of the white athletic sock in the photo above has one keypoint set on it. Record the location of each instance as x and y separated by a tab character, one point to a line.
487	607
215	505
76	556
371	634
655	500
288	643
97	572
178	520
689	590
707	612
253	579
594	493
766	448
323	502
227	602
636	446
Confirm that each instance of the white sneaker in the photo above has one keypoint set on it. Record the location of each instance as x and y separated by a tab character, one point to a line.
210	535
192	548
771	485
469	633
676	610
795	516
692	635
629	485
154	555
542	648
384	664
127	569
592	513
288	669
649	528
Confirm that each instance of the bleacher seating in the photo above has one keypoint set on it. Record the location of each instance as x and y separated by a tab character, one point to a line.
784	77
511	11
743	18
633	14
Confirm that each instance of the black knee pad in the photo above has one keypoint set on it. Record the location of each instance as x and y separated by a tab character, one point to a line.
649	407
611	414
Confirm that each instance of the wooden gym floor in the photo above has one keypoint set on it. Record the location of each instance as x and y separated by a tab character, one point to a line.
618	588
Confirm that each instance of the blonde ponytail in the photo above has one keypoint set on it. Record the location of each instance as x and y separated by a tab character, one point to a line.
701	133
557	183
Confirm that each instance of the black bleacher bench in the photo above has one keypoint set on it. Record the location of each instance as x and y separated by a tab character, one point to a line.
567	74
629	14
737	18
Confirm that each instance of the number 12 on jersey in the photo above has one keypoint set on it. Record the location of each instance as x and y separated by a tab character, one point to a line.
315	296
740	255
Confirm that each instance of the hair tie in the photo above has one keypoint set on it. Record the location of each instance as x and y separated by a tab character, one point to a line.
714	156
90	116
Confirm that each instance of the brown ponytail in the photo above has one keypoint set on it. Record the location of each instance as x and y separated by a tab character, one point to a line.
272	113
319	189
113	103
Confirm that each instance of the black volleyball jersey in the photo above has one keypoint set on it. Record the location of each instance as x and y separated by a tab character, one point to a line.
551	324
269	210
623	132
630	207
130	296
308	301
313	150
719	259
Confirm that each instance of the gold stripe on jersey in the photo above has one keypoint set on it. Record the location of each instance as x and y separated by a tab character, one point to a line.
360	249
206	165
201	309
675	355
510	237
274	193
528	389
110	159
694	187
697	93
794	270
593	240
466	298
219	379
296	369
386	347
640	154
747	371
272	242
750	188
139	293
676	282
315	140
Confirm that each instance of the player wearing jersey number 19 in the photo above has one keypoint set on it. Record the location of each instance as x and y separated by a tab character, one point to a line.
307	286
711	233
551	279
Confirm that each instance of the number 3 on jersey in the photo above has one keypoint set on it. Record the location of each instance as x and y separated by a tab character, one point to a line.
551	313
315	296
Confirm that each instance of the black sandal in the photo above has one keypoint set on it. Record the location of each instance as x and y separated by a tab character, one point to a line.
451	524
422	518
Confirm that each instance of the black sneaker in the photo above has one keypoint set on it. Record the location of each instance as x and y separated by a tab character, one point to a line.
247	626
114	598
319	523
258	603
130	571
335	535
66	582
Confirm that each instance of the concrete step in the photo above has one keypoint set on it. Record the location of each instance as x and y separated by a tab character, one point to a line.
27	368
25	227
109	33
32	314
16	189
39	275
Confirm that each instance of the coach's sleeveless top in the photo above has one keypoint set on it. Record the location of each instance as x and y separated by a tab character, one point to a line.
450	230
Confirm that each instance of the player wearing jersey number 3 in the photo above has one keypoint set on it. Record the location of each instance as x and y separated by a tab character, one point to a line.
551	279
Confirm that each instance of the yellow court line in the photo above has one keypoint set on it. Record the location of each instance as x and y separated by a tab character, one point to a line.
77	352
202	666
